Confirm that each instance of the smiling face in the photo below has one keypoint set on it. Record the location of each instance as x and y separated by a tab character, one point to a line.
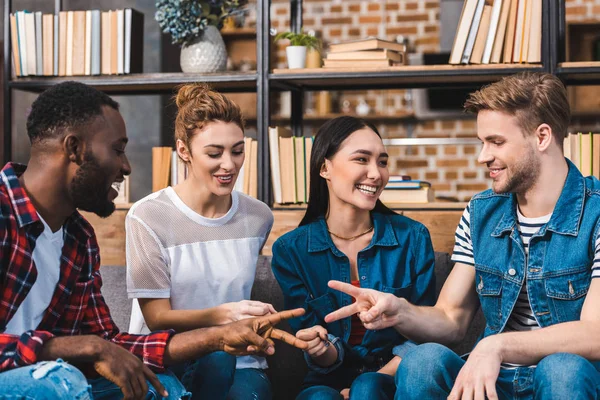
358	172
511	157
216	157
96	182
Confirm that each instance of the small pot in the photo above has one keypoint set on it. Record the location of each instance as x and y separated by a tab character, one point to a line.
296	56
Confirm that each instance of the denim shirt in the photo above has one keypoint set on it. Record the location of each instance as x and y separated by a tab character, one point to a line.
399	260
561	254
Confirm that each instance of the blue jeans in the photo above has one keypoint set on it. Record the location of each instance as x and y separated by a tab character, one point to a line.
215	377
366	385
429	372
54	380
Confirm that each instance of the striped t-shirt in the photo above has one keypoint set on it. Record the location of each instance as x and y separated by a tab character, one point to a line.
521	318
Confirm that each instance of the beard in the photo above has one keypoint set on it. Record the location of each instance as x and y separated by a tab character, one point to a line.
522	175
89	188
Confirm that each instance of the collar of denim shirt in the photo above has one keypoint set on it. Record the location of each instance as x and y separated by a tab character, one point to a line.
383	235
566	217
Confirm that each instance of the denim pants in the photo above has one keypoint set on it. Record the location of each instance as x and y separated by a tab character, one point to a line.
57	380
429	372
363	384
215	377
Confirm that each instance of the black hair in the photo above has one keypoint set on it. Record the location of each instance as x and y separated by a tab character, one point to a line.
327	143
65	105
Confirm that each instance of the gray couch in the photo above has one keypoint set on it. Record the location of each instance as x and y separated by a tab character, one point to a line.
287	366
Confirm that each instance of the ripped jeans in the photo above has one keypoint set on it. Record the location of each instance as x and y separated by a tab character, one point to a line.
51	380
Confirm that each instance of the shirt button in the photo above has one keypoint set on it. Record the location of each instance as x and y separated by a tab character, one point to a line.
363	277
512	272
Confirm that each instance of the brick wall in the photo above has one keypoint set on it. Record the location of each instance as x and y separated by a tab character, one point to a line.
452	170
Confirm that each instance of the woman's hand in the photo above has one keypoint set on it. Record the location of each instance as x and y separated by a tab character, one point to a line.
237	311
317	340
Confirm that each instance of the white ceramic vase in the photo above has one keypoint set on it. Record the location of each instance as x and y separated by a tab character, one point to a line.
296	56
205	54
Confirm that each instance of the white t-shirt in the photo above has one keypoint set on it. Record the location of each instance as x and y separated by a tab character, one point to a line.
46	257
196	262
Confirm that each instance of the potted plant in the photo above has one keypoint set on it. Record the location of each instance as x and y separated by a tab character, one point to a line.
299	43
195	25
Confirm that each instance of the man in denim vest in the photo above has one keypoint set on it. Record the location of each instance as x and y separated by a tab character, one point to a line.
527	251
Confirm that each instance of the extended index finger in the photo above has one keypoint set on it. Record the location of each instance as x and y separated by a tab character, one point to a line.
341	313
274	319
289	339
345	288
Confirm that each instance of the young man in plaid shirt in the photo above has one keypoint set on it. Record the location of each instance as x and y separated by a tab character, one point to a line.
57	338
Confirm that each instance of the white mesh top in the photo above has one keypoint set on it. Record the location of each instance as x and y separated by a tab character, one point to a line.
196	262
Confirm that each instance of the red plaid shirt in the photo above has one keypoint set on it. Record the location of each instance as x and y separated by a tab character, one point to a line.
77	306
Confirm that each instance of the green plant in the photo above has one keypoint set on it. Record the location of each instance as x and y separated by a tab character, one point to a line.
186	20
300	39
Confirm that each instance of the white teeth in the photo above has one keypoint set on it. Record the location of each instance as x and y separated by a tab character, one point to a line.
225	178
116	186
368	189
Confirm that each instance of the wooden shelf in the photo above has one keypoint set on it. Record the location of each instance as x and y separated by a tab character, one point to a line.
438	206
579	72
315	118
407	76
151	83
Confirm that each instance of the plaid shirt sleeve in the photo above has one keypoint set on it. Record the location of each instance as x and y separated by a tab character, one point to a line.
97	321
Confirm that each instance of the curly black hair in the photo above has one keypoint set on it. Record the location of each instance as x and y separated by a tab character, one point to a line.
66	105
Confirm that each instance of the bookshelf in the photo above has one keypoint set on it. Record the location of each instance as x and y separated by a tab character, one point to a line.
265	81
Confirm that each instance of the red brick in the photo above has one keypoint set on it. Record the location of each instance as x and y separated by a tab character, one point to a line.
450	150
469	124
281	11
392	6
411	6
431	151
373	7
373	19
429	125
432	5
430	176
372	31
452	163
473	187
336	8
337	20
452	175
412	18
335	32
432	29
442	187
402	30
470	150
448	125
411	164
575	10
427	40
354	8
470	174
353	32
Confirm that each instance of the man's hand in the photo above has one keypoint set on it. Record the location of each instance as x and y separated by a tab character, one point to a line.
316	339
255	335
345	393
244	309
375	309
477	378
126	371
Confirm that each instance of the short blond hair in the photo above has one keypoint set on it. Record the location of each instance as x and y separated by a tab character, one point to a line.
533	98
198	105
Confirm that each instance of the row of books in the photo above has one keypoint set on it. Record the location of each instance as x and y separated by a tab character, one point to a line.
290	165
402	189
91	42
583	149
169	169
498	31
369	52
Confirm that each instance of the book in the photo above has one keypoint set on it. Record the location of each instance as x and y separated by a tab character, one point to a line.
253	189
466	57
114	34
39	45
134	41
274	157
300	169
370	43
509	40
56	46
22	39
78	64
161	165
462	32
526	31
519	29
492	31
96	43
586	153
69	48
87	63
105	43
596	155
30	43
384	54
14	43
356	63
62	43
534	54
482	34
286	165
247	167
48	44
422	195
308	143
120	40
575	149
407	184
498	46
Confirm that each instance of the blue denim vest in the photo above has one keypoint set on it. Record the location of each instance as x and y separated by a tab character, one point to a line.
561	254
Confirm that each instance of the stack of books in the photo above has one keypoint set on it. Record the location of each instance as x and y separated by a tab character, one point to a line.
498	31
401	190
91	42
290	166
365	53
583	149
